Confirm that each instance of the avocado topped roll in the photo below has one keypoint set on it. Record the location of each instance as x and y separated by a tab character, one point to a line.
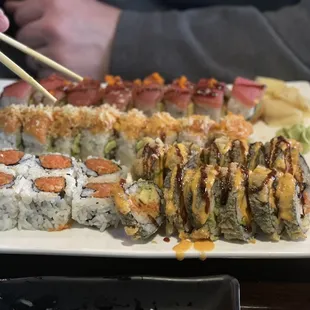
176	215
291	209
262	188
140	207
235	215
200	204
149	163
256	155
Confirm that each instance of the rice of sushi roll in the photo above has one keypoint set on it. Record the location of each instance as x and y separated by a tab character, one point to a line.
45	203
101	170
36	136
262	188
174	191
16	160
129	127
178	98
140	206
10	127
195	129
256	155
149	163
200	204
94	205
65	129
10	187
291	209
164	126
235	214
97	135
246	98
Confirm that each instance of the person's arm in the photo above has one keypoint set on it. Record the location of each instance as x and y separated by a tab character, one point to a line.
220	41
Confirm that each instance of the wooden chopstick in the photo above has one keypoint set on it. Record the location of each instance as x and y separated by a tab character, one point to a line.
25	76
51	63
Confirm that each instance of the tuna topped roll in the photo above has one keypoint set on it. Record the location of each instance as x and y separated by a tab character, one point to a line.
178	98
235	214
246	97
200	204
262	200
148	95
10	127
149	163
140	207
118	93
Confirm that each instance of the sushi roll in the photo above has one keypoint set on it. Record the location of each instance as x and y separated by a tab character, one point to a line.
10	127
256	155
101	170
195	129
65	130
10	187
218	152
37	123
178	98
140	206
149	163
291	209
148	94
86	93
235	219
18	93
200	204
162	125
45	203
262	200
129	127
118	93
16	160
175	210
246	98
176	154
208	98
94	205
97	135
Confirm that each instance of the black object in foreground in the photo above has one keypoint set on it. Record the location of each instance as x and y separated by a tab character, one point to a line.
138	293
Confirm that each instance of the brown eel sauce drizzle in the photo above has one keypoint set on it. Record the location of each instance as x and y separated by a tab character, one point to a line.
203	189
179	184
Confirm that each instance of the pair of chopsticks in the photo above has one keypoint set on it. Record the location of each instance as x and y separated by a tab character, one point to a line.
24	75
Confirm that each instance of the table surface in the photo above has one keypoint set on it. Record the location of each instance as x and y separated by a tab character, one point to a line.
265	284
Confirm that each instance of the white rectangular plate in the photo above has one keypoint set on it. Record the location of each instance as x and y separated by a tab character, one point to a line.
113	243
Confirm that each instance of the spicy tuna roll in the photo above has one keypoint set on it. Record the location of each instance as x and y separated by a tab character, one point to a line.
94	205
140	207
46	203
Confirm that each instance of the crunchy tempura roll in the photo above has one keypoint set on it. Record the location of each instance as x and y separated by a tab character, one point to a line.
94	205
149	163
256	155
129	127
246	98
178	98
164	126
208	98
10	127
175	210
262	199
46	203
195	129
235	214
101	170
118	93
140	207
200	204
36	136
97	135
176	154
10	187
148	94
65	130
290	205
